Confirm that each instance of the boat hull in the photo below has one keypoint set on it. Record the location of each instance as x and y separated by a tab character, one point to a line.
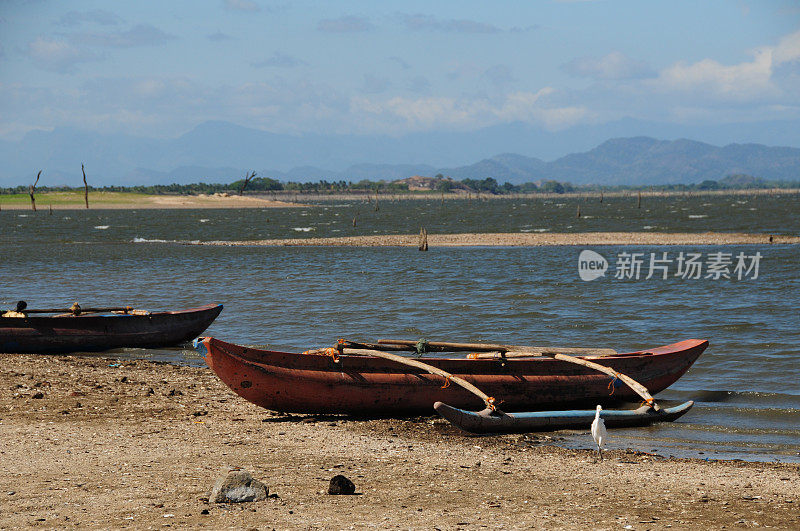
365	385
487	421
94	333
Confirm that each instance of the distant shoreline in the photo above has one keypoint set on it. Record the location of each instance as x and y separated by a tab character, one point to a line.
129	201
464	196
525	239
74	200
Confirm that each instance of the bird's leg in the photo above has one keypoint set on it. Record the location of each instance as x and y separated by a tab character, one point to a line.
600	453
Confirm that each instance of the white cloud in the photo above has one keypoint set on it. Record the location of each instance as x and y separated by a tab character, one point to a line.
154	106
348	24
402	63
532	107
427	22
94	16
749	80
218	36
741	81
615	65
375	84
419	85
242	5
468	112
279	60
499	75
788	50
56	55
139	35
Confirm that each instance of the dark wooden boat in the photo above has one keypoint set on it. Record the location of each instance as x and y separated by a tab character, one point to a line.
367	385
488	421
92	332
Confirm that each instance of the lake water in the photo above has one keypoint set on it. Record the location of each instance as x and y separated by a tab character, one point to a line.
746	385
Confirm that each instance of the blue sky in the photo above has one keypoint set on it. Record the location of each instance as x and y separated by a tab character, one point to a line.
158	69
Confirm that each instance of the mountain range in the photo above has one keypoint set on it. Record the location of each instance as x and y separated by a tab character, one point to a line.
223	152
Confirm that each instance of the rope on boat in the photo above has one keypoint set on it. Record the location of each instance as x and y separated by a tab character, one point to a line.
637	388
611	385
330	351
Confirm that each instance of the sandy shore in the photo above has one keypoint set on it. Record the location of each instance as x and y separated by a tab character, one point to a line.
96	443
529	239
112	201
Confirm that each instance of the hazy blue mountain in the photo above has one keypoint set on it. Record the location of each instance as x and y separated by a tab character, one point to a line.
507	167
390	172
643	160
223	152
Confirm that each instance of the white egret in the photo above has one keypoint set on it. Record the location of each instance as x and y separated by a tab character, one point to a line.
599	433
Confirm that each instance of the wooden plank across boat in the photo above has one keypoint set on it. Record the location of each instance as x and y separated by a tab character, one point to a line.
370	385
488	421
93	332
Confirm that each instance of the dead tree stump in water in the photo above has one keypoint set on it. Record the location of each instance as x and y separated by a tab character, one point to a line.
423	239
85	187
247	179
32	189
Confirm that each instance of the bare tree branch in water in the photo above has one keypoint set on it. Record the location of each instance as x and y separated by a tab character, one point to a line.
33	189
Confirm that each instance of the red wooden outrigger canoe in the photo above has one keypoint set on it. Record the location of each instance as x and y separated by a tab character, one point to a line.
356	384
94	332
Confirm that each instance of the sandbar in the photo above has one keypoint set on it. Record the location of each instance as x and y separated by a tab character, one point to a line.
527	239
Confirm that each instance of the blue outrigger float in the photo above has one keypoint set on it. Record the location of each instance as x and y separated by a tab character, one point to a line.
489	421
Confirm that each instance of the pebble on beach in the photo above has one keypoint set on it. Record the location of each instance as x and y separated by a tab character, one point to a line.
236	487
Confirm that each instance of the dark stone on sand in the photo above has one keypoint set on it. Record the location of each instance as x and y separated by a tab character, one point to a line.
38	395
236	487
341	485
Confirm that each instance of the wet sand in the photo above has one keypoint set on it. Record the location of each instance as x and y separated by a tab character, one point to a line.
101	443
528	239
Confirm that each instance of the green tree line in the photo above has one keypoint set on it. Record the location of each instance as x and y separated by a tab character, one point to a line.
441	184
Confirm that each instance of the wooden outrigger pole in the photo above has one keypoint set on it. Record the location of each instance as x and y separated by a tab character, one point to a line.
489	350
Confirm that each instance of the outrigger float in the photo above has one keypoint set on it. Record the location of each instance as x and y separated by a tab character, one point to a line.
373	379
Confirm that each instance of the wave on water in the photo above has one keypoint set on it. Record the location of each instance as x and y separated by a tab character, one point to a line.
146	240
181	242
303	229
697	216
101	227
752	398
